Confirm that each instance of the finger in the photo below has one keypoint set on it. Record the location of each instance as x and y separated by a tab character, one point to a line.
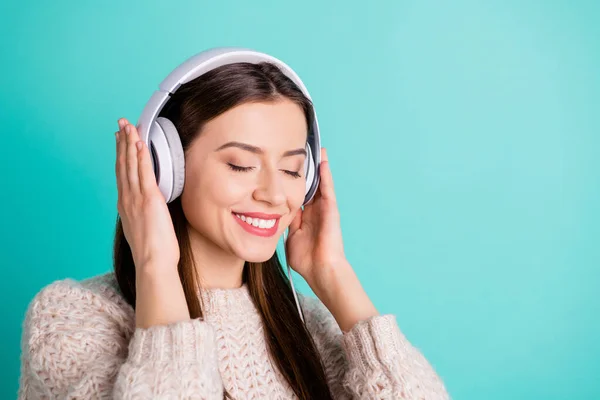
296	222
120	164
324	154
146	172
132	159
119	185
326	184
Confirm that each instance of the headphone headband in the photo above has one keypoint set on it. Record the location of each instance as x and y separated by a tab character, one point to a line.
208	60
203	62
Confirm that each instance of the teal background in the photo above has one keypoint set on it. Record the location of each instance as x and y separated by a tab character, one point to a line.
463	138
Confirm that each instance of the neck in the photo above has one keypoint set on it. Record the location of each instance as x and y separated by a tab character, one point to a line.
216	268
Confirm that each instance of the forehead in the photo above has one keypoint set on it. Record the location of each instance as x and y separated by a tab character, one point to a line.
279	124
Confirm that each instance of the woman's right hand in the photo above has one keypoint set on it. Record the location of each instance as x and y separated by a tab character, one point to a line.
146	220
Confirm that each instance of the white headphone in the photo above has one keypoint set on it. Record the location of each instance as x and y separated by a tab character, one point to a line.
162	138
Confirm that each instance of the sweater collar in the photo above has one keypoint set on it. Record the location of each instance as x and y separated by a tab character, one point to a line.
224	302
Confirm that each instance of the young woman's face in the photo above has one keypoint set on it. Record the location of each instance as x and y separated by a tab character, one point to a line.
244	177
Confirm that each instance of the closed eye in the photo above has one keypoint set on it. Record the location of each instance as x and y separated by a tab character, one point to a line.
292	173
239	168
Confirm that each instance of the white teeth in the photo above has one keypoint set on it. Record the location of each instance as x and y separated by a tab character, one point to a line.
257	222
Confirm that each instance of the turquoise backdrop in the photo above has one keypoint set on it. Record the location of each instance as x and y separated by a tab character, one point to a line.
463	137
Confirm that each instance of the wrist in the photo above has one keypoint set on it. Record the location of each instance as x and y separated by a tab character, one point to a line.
155	271
160	299
340	290
327	284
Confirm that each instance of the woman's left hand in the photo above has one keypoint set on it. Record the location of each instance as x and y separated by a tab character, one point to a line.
315	250
314	245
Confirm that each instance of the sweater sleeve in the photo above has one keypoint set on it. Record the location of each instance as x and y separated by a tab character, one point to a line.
373	360
79	344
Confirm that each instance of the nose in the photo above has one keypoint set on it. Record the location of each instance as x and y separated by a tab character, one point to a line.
270	188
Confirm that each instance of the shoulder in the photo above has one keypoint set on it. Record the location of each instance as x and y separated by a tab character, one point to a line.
73	330
328	339
68	306
70	295
313	307
319	320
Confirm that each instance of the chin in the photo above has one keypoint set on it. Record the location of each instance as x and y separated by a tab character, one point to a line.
257	255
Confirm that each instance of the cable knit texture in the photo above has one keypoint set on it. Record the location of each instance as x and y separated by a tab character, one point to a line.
80	342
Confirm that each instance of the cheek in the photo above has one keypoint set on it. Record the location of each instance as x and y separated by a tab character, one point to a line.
296	193
206	195
224	192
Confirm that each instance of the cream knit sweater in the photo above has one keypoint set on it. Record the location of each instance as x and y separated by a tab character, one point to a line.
80	342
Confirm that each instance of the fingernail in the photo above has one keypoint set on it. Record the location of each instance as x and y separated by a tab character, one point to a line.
117	135
128	129
121	123
138	145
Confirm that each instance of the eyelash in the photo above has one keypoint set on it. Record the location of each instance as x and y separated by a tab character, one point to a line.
237	168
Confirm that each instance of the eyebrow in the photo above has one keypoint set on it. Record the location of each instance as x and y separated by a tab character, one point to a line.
258	150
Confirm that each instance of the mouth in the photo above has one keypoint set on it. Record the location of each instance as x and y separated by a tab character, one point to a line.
258	224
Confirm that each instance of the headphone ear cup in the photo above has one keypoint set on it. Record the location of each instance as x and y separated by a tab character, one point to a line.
168	157
177	156
309	172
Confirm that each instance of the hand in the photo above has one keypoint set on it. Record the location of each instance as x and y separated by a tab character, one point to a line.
315	250
146	220
314	245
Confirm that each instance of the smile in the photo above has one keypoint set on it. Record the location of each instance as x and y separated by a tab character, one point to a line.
258	226
257	222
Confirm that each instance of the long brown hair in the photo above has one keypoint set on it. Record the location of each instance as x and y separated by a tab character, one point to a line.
194	104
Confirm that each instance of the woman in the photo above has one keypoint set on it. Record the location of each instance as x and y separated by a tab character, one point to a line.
198	305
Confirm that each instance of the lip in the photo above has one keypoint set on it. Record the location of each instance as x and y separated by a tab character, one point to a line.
259	215
263	232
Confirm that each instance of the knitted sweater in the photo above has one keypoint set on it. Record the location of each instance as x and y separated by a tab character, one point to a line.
80	342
